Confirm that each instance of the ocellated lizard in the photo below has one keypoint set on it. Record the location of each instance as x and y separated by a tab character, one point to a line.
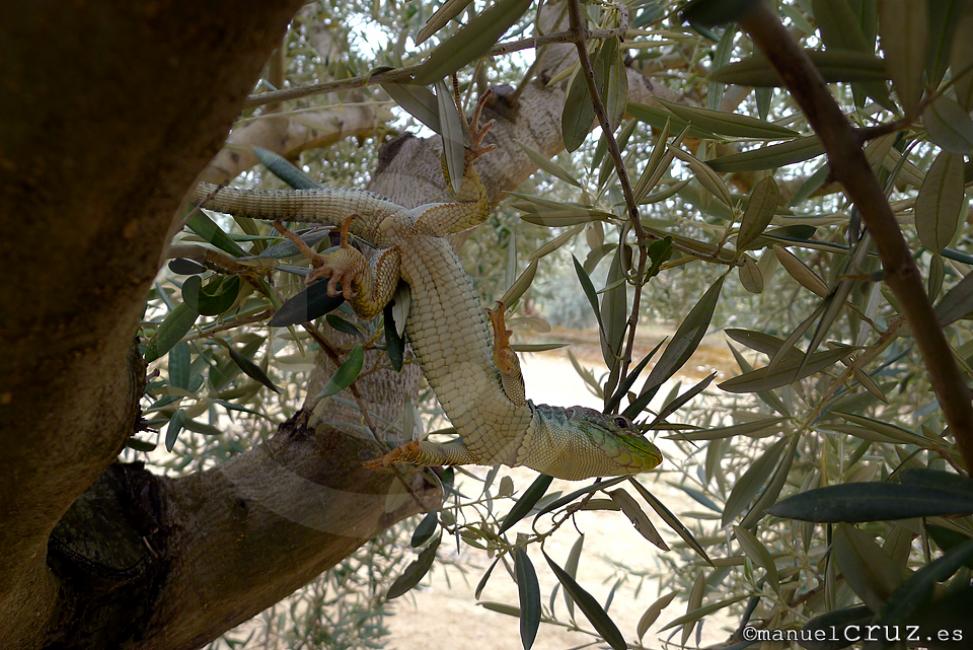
479	385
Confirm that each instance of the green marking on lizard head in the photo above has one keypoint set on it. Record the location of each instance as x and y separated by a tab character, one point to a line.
608	444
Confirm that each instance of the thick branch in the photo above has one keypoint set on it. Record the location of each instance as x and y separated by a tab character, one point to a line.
288	134
850	167
252	531
110	112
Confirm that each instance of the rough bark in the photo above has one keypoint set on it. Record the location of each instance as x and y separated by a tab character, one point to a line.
289	135
112	112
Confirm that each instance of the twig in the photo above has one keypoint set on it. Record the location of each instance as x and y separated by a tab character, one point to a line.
404	74
216	261
333	355
850	167
362	408
581	34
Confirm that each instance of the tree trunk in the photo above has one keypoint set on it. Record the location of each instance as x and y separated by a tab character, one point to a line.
111	112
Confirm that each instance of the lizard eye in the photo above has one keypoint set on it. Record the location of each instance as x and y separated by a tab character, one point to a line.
622	422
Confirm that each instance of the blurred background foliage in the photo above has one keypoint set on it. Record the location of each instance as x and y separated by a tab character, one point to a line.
746	199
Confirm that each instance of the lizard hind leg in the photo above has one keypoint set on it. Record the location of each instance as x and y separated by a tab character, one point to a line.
506	359
425	454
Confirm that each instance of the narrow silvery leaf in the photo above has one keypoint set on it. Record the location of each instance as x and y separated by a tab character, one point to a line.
769	494
312	302
651	615
616	81
471	41
173	428
571	567
173	327
530	597
705	175
749	484
760	211
801	272
687	337
578	114
251	369
526	501
721	56
637	516
659	151
903	29
750	276
285	169
770	156
961	61
756	429
446	12
869	571
785	372
949	125
731	124
957	303
614	310
485	579
944	17
694	602
842	30
346	374
861	502
758	553
453	135
834	65
549	165
590	607
413	573
179	362
520	285
941	202
657	118
418	101
671	519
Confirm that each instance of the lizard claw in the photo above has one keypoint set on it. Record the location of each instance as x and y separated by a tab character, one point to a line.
407	453
344	265
341	265
478	132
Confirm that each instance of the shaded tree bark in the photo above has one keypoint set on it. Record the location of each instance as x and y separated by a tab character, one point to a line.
111	113
110	110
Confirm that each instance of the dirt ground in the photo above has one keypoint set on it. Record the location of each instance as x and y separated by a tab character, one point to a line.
443	613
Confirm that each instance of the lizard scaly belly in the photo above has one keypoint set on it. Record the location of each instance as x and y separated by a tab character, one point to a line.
449	335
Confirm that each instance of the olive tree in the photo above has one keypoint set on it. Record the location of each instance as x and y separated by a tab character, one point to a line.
184	422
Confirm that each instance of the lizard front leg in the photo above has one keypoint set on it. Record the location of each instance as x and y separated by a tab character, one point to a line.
425	454
367	287
506	359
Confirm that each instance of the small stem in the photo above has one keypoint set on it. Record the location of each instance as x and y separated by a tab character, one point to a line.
403	75
362	407
581	34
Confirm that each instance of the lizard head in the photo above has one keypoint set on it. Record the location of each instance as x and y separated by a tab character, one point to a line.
597	444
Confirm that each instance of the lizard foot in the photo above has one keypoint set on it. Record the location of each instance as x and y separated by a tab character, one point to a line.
343	264
478	132
504	358
407	453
